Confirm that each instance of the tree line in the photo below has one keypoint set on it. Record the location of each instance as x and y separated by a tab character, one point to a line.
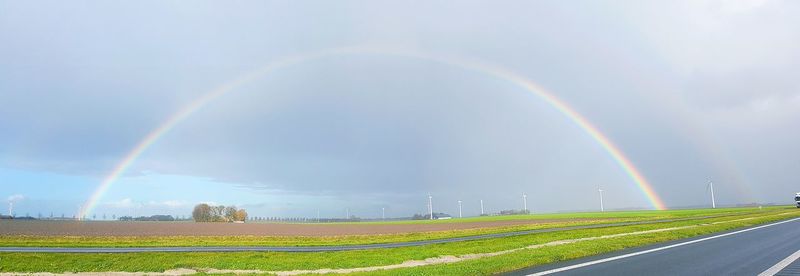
207	213
150	218
428	216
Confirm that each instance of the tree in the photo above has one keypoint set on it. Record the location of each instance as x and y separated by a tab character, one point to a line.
207	213
230	213
218	213
202	213
241	215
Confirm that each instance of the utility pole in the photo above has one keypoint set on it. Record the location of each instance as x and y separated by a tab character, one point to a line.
430	205
713	202
525	202
459	209
482	207
601	200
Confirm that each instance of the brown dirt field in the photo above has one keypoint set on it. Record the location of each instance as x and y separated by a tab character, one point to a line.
96	228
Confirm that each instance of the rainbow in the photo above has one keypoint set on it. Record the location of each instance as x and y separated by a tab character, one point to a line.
490	70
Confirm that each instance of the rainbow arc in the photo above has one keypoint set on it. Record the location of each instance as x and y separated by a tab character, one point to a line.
490	70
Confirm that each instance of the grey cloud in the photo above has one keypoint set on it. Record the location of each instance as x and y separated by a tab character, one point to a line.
77	91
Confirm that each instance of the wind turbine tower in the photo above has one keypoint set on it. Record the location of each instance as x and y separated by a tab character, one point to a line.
524	202
430	205
711	186
10	208
482	207
602	209
383	213
459	209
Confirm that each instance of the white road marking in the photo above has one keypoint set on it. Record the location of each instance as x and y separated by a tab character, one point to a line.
781	265
561	269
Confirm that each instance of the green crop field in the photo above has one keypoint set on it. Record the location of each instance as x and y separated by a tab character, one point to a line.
493	255
584	215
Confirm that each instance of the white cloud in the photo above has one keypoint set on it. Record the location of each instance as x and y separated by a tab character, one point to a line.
128	203
168	203
719	36
738	6
124	203
16	198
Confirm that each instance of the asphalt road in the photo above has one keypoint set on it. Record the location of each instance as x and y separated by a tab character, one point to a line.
321	248
740	252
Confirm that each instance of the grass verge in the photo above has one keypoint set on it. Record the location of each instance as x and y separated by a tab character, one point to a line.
540	256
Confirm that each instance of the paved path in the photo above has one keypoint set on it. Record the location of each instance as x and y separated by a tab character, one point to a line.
323	248
770	249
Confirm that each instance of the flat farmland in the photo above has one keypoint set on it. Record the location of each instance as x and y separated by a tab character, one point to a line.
175	229
473	257
112	228
151	234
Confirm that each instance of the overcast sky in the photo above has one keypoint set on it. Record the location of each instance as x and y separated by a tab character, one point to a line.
689	91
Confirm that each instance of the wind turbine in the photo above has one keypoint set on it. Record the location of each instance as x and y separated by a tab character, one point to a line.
11	200
602	209
383	213
430	205
459	209
482	207
713	202
525	202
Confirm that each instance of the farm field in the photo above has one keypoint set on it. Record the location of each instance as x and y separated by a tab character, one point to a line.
486	256
133	234
103	228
